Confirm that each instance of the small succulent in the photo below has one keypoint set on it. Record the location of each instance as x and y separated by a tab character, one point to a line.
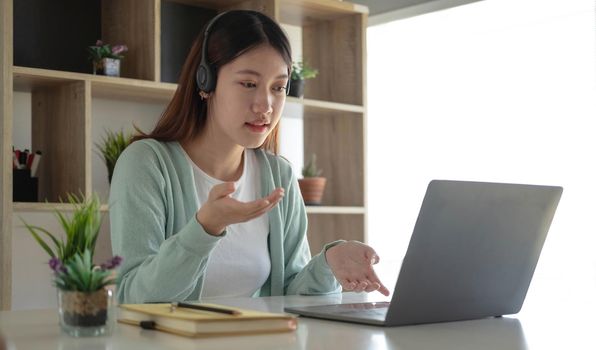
310	169
110	148
301	70
79	274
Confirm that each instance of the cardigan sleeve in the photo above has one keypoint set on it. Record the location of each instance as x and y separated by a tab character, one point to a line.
155	268
304	275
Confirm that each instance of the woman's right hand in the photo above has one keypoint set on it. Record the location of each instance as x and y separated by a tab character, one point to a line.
221	210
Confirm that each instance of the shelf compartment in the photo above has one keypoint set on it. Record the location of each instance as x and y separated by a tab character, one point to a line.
59	119
323	229
180	24
337	138
133	23
44	36
48	25
337	49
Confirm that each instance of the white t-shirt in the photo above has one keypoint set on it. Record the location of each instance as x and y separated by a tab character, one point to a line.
240	263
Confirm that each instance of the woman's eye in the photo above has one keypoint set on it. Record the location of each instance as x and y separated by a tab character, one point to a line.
280	88
248	84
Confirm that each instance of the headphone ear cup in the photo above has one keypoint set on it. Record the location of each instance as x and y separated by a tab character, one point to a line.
205	78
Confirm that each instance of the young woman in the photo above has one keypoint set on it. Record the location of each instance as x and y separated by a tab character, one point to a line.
202	206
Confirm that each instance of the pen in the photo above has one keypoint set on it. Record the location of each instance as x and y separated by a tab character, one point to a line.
203	308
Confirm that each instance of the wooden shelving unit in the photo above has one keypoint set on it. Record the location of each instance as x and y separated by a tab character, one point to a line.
333	40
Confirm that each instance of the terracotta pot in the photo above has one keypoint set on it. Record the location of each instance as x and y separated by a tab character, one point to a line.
312	189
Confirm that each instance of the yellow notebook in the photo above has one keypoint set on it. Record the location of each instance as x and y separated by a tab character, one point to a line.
200	323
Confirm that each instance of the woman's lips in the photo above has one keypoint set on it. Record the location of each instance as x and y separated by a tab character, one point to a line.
257	128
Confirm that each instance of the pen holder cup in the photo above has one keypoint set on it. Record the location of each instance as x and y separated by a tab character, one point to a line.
24	187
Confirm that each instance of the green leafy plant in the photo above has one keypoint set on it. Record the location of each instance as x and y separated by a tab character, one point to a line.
310	169
81	229
110	148
301	71
72	258
100	51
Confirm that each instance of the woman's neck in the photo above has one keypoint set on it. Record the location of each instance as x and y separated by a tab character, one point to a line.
223	162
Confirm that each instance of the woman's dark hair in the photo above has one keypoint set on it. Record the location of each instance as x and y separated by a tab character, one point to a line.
231	35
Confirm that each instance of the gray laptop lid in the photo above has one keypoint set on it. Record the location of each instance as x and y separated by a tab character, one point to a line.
472	255
473	251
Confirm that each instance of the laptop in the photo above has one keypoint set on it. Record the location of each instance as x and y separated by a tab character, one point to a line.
472	255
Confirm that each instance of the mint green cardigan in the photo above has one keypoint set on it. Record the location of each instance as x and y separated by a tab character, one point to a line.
153	203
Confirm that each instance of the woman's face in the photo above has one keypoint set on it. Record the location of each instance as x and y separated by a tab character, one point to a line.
249	97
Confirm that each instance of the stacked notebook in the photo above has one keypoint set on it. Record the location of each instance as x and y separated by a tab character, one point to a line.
203	323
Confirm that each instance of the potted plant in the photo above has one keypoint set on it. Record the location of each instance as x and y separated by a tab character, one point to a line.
84	299
300	72
312	185
110	148
105	58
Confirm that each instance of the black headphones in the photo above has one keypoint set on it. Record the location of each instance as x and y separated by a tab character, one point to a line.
206	76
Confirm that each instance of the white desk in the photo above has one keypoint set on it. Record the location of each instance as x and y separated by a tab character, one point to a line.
535	328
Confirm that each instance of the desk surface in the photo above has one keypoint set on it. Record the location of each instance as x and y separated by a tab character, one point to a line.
536	328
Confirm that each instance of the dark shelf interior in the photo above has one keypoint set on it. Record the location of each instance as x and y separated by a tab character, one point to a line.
180	25
55	34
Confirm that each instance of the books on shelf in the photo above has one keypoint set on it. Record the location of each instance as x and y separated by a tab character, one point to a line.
193	322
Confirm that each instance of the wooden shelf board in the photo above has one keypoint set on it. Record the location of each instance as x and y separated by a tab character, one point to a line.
313	209
210	4
47	207
318	104
301	12
28	79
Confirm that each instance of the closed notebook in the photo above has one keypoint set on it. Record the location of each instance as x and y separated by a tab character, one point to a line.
200	323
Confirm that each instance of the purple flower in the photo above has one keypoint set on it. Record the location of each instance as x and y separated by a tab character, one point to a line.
56	265
99	43
119	49
112	263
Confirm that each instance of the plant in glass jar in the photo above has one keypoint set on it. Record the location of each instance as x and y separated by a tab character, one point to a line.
106	58
85	300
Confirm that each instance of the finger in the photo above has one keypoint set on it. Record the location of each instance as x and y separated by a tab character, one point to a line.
261	211
361	287
221	190
348	285
372	286
372	276
251	208
274	198
276	194
383	290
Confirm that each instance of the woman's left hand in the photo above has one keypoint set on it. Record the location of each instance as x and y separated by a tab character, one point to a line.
352	264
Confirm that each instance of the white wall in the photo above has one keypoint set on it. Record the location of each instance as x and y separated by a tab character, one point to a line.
491	91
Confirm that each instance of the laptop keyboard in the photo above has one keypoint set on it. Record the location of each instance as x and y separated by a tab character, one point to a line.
362	309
